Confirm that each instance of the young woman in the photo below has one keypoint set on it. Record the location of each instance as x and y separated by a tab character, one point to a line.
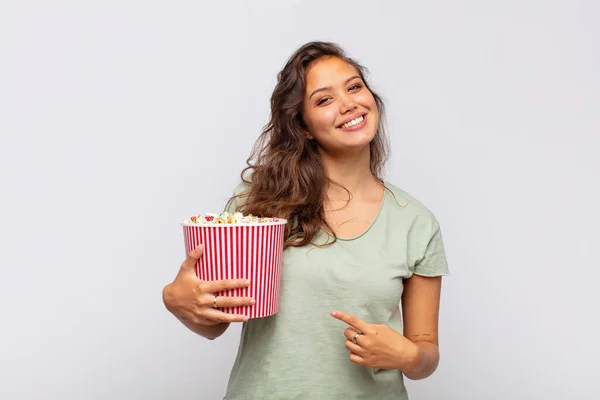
356	246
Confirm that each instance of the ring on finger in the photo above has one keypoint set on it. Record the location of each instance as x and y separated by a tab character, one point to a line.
215	302
356	335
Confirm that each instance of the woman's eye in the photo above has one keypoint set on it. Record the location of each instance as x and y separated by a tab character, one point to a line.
323	100
355	87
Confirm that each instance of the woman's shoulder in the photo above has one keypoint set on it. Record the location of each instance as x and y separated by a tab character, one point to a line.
241	188
406	202
423	233
238	197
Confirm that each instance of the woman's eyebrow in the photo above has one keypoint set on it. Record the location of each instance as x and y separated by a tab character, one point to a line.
329	87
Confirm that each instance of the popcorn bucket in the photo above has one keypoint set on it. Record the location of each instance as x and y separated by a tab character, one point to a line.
249	251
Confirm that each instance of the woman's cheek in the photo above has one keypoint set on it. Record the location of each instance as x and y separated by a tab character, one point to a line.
328	119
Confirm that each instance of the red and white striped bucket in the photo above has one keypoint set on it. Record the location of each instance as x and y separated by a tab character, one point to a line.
247	251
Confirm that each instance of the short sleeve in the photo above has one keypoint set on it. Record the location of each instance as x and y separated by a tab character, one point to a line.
235	202
232	205
433	261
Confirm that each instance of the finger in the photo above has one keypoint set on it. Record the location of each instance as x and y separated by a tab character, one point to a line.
353	348
228	301
192	257
351	320
220	316
356	359
225	284
349	334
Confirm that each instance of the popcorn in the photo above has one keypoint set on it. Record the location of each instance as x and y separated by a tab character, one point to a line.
226	218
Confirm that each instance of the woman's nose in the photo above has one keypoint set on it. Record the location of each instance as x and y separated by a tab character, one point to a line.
347	104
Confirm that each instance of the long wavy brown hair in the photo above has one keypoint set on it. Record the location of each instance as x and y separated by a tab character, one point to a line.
285	173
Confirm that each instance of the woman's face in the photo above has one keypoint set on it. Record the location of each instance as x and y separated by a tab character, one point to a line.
339	110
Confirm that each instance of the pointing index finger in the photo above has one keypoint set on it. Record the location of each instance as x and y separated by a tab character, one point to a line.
350	320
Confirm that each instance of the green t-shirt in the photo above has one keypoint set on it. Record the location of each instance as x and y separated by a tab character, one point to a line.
299	352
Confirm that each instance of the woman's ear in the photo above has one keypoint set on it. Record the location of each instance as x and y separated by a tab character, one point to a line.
304	127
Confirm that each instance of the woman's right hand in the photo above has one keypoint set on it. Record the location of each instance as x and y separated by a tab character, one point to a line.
191	299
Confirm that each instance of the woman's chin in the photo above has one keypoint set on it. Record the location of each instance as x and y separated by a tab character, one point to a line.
357	141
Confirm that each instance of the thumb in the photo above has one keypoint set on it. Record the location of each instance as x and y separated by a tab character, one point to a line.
192	257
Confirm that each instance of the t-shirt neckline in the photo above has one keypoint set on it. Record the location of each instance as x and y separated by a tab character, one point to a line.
385	189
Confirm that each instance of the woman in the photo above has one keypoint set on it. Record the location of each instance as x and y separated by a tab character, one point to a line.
355	247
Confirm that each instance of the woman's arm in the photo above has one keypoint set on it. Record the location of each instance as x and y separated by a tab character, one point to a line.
208	331
420	309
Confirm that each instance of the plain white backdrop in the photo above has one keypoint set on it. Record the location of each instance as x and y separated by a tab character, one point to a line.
120	118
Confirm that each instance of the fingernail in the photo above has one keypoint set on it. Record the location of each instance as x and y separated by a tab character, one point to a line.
245	319
247	282
334	313
252	301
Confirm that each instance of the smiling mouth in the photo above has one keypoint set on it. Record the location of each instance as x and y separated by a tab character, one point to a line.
355	124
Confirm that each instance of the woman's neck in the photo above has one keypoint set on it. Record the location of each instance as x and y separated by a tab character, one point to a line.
353	173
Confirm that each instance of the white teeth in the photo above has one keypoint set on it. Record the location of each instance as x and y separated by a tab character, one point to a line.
353	122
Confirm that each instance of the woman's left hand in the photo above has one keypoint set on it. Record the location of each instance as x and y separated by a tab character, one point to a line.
377	345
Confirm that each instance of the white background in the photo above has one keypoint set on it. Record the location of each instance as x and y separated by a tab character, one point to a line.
120	118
